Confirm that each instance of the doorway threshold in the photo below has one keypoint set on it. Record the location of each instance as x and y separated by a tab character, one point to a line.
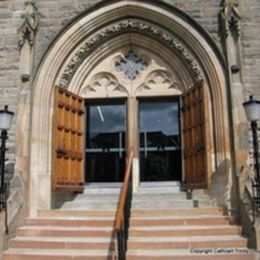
153	184
102	187
93	185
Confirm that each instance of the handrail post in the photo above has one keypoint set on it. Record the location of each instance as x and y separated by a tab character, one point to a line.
124	209
121	244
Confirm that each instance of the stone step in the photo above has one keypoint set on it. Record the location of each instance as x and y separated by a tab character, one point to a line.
97	197
193	254
57	254
102	191
173	231
76	213
64	231
170	196
163	217
70	222
140	197
90	205
95	243
114	188
188	220
153	243
160	190
181	204
177	212
136	204
176	204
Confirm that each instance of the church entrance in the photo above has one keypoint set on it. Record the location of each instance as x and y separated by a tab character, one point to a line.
110	55
160	140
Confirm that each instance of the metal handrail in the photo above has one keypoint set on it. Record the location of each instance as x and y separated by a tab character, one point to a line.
123	211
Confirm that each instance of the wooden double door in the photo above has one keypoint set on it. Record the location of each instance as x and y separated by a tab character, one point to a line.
72	138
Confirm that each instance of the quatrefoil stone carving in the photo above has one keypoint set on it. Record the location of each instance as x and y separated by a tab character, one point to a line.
131	65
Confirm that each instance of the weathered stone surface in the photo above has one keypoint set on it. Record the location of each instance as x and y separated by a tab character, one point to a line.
250	39
221	185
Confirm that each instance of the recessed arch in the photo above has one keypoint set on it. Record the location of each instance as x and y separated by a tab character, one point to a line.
79	44
119	46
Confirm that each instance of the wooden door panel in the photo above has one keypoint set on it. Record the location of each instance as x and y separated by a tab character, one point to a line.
67	173
194	138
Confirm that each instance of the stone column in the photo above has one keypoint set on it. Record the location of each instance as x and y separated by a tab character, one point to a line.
19	200
230	30
231	39
133	138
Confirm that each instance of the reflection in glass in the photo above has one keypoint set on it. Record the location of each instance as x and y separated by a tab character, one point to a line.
105	142
160	143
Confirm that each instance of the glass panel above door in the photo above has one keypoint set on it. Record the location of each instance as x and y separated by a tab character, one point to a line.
105	141
160	141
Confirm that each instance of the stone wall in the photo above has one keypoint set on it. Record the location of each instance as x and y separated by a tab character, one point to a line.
251	45
56	14
10	12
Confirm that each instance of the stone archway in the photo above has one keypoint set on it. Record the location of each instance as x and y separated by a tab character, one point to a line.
90	38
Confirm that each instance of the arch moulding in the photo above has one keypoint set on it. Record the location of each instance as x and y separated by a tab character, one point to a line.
74	52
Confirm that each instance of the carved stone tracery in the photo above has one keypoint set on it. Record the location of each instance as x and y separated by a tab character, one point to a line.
127	26
102	83
131	65
160	81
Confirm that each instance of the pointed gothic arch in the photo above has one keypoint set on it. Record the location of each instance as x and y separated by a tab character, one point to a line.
94	35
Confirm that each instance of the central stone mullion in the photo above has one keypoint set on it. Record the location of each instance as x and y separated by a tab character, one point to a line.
133	138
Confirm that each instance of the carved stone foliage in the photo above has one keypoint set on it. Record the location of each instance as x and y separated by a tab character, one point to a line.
127	26
159	80
102	84
131	65
29	25
230	17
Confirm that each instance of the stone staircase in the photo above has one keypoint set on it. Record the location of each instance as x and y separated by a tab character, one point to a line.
165	224
80	229
169	224
64	235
